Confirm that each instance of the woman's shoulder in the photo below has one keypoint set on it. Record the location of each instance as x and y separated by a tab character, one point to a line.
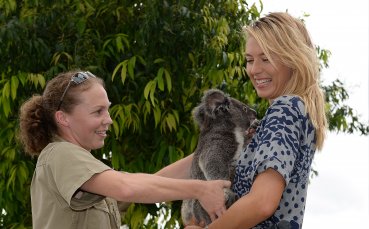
66	146
288	99
293	103
60	150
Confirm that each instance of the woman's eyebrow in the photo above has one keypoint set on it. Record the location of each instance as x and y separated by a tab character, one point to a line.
102	106
256	54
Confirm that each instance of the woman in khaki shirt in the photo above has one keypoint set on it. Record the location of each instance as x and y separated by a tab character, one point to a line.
70	187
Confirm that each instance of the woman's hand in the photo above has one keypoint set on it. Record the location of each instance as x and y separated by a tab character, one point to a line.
212	198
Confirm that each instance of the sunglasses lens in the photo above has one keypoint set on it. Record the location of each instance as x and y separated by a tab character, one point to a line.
80	77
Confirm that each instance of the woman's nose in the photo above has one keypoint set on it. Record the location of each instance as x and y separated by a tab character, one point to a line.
107	119
255	67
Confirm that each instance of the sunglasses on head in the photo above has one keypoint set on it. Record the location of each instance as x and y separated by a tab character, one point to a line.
77	78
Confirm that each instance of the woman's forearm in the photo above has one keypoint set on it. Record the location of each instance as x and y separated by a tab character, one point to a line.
147	189
258	205
179	169
244	213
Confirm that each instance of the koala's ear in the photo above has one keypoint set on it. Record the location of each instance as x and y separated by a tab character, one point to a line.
216	102
198	114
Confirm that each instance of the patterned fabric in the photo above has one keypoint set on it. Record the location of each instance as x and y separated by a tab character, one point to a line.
284	141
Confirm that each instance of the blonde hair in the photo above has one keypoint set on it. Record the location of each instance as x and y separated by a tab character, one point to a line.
284	37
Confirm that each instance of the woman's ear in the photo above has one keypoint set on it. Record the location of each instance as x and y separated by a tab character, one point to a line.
61	119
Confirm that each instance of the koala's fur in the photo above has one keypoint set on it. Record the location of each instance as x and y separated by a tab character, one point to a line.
223	122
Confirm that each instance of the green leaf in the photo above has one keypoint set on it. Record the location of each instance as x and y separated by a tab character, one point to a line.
192	58
131	66
148	89
119	43
6	106
171	122
152	92
160	80
9	153
41	80
168	79
172	154
116	128
14	87
159	60
81	25
123	73
6	90
12	178
157	115
193	143
116	70
22	173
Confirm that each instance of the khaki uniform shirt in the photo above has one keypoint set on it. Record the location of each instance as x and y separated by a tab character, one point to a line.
57	201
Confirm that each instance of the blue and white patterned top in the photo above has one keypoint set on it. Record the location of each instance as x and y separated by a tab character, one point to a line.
284	141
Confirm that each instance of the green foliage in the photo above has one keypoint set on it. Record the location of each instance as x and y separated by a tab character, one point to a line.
156	57
341	116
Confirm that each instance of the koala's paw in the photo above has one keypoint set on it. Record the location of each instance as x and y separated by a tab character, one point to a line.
230	197
254	124
251	131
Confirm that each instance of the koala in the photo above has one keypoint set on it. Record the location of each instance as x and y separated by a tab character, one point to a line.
223	122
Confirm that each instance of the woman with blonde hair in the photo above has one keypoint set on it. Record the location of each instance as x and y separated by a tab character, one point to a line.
272	173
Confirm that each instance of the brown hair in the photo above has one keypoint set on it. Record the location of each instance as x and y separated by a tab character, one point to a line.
37	123
285	37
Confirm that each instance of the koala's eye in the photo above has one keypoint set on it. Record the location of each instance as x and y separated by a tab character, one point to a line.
245	108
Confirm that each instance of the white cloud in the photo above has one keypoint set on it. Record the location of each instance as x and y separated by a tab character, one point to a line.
338	197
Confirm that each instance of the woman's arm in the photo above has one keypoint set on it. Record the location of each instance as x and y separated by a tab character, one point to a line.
147	188
258	205
179	169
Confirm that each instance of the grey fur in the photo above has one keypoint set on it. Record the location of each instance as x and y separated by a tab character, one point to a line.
223	122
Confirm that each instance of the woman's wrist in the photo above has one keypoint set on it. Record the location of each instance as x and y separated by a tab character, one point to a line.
198	189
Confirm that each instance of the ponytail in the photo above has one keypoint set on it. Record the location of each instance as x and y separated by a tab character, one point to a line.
35	127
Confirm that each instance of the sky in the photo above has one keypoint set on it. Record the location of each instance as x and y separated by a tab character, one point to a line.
338	196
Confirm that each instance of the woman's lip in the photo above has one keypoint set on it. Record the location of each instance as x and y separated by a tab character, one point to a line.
261	82
101	132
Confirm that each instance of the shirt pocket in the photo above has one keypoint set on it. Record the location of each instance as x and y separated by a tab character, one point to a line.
96	217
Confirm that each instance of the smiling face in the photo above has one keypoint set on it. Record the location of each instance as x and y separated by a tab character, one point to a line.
88	122
268	79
